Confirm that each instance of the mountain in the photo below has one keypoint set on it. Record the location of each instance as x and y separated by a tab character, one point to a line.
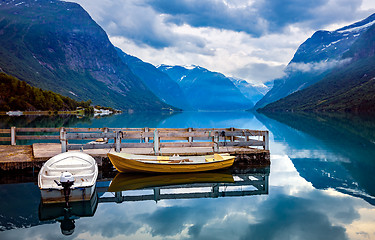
55	45
316	58
347	88
206	90
157	81
253	92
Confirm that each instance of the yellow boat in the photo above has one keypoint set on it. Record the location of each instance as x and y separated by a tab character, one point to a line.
125	162
129	181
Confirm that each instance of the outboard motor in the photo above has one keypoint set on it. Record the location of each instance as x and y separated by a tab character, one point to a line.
66	181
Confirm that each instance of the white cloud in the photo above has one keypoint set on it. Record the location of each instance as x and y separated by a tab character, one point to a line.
315	66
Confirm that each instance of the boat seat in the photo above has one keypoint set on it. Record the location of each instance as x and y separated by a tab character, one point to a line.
75	176
67	167
58	172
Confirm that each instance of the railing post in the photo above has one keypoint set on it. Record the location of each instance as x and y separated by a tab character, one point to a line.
216	141
105	131
266	140
156	142
118	142
63	140
13	136
231	137
157	194
146	131
215	191
118	197
190	138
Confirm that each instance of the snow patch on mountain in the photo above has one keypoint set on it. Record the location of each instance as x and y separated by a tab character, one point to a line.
357	29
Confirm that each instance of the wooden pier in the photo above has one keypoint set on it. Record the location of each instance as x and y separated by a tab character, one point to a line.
250	146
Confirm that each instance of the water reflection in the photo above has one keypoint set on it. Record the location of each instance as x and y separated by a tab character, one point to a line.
187	186
67	216
320	186
46	121
329	150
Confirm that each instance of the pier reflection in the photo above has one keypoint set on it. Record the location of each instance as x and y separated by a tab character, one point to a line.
185	186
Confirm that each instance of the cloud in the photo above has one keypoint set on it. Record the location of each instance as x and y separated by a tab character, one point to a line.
296	217
315	66
258	18
216	14
260	72
138	22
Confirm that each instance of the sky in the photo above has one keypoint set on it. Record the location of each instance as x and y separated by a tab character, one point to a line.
249	39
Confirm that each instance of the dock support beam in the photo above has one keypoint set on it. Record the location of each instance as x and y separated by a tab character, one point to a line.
13	136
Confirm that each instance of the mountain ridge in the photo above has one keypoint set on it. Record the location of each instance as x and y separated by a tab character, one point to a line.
315	58
207	90
55	45
347	88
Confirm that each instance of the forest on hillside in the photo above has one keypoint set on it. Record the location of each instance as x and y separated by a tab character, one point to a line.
18	95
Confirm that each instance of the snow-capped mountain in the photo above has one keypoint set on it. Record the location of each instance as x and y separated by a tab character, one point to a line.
251	91
158	82
206	90
315	58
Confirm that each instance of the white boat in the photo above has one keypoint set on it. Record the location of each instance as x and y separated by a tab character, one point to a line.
70	174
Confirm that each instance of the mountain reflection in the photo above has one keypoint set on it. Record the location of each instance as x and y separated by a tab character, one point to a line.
329	150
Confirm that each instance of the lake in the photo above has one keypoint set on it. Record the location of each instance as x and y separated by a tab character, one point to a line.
320	185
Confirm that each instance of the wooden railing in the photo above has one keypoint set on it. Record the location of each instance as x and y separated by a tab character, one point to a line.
155	138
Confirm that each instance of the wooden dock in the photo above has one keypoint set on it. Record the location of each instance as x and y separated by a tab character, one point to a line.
249	146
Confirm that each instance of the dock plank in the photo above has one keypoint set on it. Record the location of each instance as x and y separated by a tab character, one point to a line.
26	156
16	157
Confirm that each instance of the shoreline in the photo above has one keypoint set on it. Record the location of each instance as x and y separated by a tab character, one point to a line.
4	113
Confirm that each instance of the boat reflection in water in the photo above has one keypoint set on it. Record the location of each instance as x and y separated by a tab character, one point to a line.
67	215
187	186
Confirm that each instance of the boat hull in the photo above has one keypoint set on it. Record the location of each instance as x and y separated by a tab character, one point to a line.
76	194
81	166
123	164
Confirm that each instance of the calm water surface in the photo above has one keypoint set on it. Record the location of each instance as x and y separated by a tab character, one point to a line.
320	185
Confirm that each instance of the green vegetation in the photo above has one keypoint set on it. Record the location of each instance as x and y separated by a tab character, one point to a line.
18	95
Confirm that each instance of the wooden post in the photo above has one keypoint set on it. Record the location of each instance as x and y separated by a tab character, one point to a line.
216	141
156	142
13	136
118	142
215	191
146	131
63	140
190	138
157	194
232	137
105	131
266	140
118	197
